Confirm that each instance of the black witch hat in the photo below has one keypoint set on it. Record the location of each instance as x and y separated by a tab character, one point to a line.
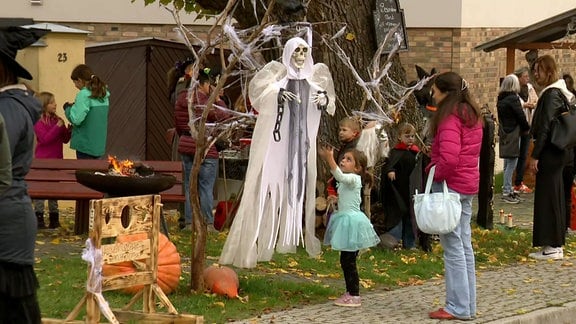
13	39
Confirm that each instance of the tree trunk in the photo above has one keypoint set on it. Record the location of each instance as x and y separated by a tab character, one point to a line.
357	15
198	249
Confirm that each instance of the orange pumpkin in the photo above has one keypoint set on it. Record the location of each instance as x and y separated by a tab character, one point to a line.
169	267
221	280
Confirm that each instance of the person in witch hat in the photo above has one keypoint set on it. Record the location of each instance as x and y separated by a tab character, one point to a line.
20	110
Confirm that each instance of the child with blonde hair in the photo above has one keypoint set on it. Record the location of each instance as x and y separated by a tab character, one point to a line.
51	135
370	140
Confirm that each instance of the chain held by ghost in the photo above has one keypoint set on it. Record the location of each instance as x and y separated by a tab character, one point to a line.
280	113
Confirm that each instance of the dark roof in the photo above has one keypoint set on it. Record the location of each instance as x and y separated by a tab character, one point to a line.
545	31
136	42
7	22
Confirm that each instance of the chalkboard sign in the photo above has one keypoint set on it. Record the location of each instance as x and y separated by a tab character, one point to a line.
386	16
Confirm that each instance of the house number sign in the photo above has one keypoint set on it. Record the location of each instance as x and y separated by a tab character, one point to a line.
62	57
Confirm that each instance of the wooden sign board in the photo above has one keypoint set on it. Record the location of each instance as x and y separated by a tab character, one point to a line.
386	16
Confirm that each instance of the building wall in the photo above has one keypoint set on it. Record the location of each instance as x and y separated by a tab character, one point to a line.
441	33
109	32
99	11
480	13
453	49
442	48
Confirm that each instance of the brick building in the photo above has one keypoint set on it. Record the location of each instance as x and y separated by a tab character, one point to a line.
445	38
441	33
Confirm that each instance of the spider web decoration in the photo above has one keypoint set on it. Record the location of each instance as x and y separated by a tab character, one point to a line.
383	99
385	105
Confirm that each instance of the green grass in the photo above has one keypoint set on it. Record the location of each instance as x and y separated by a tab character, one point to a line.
288	280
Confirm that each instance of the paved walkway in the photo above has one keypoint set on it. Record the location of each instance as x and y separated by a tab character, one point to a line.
538	292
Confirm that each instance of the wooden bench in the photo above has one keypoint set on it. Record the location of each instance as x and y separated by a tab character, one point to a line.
56	179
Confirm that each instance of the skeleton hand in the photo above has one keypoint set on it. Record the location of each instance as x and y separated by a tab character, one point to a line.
286	95
320	99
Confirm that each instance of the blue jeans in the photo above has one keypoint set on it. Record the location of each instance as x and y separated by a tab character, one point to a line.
206	180
521	165
509	167
459	264
403	231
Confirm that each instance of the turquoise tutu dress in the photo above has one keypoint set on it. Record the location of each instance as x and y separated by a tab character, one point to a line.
349	229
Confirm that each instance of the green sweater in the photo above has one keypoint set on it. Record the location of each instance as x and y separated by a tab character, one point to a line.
89	118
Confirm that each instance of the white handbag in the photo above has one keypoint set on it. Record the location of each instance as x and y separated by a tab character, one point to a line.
438	212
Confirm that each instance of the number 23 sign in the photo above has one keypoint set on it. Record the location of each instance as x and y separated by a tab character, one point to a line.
62	57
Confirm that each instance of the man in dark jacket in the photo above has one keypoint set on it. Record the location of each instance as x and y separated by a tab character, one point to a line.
20	110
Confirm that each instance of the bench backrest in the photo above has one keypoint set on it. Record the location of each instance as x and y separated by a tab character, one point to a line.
73	164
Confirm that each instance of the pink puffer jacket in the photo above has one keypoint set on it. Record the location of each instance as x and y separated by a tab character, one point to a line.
456	153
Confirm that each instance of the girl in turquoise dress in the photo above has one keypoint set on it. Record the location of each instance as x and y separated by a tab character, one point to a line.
349	229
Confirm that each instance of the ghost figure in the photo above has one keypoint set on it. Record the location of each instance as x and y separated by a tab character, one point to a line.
280	183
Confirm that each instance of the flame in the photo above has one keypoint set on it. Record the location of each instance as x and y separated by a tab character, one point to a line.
123	167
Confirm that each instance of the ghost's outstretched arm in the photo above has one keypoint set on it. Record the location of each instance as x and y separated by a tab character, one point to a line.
322	78
266	82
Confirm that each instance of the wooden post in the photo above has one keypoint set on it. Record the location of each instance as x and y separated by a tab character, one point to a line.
485	217
510	59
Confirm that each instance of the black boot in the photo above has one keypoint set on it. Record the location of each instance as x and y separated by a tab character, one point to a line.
40	219
54	220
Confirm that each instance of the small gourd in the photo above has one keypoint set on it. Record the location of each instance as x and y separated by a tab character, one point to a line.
221	280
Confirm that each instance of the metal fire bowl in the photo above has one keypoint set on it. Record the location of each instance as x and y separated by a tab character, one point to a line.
120	186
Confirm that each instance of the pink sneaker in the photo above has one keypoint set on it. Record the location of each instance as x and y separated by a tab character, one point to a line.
347	300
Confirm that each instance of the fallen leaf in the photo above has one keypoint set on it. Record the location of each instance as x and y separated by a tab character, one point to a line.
366	283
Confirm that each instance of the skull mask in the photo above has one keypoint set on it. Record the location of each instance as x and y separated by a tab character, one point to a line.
299	56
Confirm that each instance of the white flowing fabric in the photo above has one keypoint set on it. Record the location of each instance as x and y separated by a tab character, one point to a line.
270	212
375	146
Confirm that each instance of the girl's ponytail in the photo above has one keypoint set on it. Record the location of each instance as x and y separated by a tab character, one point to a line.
97	87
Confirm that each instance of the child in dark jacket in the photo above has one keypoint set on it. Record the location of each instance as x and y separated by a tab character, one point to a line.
51	135
395	188
348	134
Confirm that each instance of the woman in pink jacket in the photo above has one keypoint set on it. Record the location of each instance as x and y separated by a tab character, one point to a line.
457	131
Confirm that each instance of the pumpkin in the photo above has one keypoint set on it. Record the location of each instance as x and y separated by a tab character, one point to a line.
221	280
169	268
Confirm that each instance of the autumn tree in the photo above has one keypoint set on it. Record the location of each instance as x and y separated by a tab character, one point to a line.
327	18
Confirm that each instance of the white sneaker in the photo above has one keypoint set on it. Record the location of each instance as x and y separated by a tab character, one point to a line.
548	253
